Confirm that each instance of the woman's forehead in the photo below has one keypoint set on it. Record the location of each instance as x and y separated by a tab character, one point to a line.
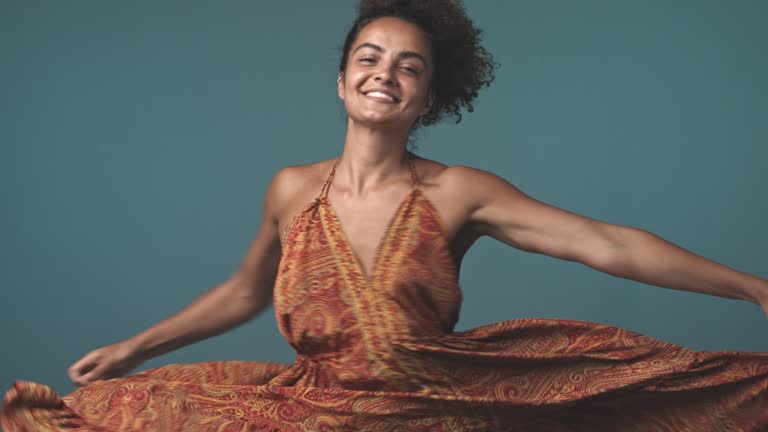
394	34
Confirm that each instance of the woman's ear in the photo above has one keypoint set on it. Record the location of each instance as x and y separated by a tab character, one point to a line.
428	105
340	85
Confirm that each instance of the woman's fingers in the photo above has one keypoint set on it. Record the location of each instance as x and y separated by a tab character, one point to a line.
104	363
82	367
95	374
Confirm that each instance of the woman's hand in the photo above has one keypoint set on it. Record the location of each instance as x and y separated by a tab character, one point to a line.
762	297
107	362
757	293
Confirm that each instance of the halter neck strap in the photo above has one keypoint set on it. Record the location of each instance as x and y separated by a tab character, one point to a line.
411	166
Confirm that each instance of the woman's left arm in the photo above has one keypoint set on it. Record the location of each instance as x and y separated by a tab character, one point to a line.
645	257
504	212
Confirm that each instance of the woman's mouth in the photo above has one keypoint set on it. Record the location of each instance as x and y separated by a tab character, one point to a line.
380	97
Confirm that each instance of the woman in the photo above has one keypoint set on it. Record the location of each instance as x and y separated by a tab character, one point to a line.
363	252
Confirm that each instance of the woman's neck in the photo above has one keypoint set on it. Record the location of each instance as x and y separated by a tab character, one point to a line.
371	157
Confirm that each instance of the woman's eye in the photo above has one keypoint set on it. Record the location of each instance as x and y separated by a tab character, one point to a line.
409	69
366	59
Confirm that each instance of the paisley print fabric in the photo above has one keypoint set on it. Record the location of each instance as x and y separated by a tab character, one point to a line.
378	353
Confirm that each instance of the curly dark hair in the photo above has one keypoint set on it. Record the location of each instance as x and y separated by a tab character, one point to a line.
461	65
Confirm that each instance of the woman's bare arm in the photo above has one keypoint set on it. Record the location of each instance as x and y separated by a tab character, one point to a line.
645	257
236	300
509	215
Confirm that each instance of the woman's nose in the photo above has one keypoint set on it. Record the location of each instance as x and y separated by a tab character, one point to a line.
386	75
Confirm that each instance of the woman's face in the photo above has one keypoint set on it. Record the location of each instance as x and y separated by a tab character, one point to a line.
388	73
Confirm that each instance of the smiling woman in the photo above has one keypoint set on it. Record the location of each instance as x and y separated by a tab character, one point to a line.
360	255
388	79
449	56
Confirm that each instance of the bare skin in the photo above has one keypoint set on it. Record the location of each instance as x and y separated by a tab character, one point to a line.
372	178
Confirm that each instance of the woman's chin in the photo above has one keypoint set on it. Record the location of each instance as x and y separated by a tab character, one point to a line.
382	121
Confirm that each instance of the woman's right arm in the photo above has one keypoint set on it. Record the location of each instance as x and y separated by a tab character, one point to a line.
227	305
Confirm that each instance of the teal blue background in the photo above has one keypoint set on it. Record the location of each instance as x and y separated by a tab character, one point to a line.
137	139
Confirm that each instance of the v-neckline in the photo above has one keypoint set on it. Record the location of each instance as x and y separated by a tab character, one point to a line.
379	246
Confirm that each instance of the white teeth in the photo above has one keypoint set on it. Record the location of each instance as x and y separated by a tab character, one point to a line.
381	95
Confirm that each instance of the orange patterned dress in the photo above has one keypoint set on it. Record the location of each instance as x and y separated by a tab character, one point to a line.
379	353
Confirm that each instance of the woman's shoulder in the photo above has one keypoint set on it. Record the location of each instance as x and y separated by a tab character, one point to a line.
294	186
292	177
449	176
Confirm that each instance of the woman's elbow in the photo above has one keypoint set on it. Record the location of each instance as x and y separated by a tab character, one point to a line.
609	250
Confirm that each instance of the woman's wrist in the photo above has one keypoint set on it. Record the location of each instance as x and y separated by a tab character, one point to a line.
140	346
758	291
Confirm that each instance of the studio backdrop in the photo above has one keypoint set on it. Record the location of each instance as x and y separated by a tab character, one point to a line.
137	140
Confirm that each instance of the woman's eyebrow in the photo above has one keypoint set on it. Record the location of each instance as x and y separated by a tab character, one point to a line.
401	54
